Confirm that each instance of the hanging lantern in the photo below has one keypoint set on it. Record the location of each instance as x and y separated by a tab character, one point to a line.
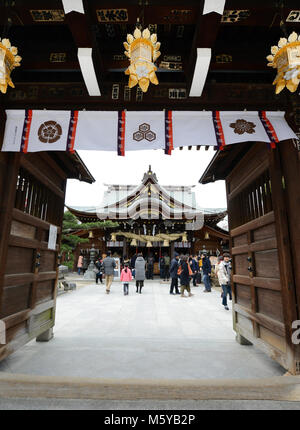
91	235
8	61
184	237
113	237
142	49
206	237
286	59
149	244
166	243
133	242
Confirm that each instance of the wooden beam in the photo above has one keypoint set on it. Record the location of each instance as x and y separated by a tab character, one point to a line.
80	28
204	37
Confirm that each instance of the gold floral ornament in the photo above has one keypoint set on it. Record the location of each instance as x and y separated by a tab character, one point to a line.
9	59
286	59
142	49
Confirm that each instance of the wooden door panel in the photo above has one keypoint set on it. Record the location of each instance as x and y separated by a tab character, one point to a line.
265	232
273	339
269	303
47	261
267	264
45	291
28	293
243	295
15	299
19	260
263	275
241	265
240	240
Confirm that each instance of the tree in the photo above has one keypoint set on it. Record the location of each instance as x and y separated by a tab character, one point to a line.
70	241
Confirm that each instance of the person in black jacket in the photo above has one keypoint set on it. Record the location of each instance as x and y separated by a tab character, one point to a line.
206	270
99	266
185	277
174	274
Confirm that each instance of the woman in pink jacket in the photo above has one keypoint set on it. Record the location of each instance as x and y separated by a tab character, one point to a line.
126	277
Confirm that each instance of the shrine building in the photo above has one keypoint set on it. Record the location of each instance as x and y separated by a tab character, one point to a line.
153	219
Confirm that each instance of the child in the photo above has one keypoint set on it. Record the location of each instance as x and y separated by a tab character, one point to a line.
126	277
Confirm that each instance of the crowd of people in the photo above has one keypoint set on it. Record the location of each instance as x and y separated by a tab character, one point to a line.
182	268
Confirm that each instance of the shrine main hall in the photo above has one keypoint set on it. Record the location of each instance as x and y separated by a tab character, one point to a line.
153	219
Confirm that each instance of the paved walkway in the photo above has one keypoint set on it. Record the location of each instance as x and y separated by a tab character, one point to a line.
148	335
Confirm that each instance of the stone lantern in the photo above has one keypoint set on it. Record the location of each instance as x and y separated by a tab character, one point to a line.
90	273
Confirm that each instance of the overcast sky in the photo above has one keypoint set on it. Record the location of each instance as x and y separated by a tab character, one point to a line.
181	168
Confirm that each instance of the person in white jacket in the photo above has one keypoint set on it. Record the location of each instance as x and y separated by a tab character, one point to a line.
224	278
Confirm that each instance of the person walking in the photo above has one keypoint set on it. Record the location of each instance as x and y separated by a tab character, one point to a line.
126	277
109	265
206	270
79	264
99	266
174	274
140	272
167	268
224	278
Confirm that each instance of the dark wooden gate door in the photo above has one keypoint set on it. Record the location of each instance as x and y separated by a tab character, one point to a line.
264	305
32	199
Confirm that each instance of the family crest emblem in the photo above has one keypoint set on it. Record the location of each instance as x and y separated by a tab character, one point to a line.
49	132
242	126
144	132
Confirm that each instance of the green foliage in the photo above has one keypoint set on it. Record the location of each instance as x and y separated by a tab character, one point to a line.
70	222
71	225
71	241
98	224
70	263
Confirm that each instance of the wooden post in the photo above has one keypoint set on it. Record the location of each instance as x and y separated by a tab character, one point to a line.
172	249
124	247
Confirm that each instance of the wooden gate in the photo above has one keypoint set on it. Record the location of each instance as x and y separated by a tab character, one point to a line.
264	291
31	202
32	194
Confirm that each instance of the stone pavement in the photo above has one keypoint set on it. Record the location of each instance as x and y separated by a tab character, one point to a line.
149	335
150	405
